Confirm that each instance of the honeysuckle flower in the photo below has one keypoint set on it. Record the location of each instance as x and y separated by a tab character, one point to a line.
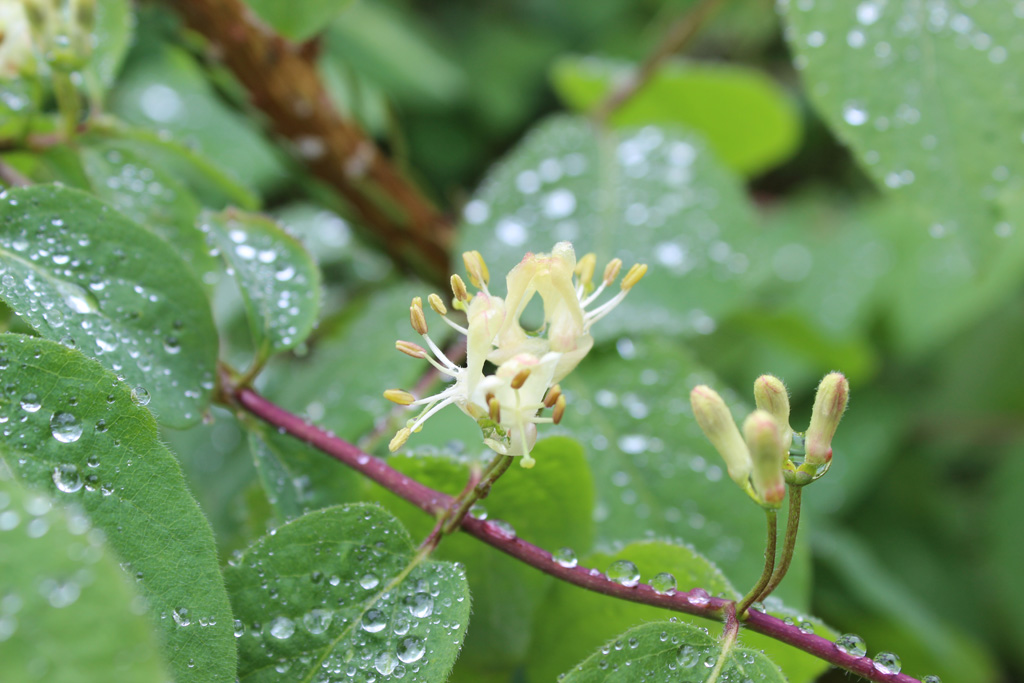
716	422
507	404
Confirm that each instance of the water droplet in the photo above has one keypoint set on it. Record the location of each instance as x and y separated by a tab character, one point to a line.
181	617
369	581
888	663
624	572
931	679
172	345
317	621
688	657
385	663
140	396
806	627
411	650
239	628
65	427
373	621
282	628
664	584
698	597
30	403
66	478
852	644
854	113
420	605
566	557
478	511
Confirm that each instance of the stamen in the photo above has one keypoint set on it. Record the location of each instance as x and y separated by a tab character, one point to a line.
418	422
494	408
479	276
585	271
559	411
455	326
459	289
520	379
611	271
440	354
410	349
399	439
402	398
437	305
553	393
634	276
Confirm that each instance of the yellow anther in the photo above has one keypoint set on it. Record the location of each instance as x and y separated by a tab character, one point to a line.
494	409
437	304
459	289
402	398
416	317
559	411
585	270
611	271
479	276
410	349
520	379
634	276
399	439
552	396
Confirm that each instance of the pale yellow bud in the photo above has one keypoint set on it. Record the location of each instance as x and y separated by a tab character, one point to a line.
402	398
410	349
435	303
399	440
416	317
829	406
771	396
634	276
477	269
764	441
716	422
611	271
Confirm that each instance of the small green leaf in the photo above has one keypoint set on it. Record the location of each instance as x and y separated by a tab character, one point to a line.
72	429
280	281
685	215
84	274
340	591
112	38
507	595
574	622
301	21
683	653
746	117
67	608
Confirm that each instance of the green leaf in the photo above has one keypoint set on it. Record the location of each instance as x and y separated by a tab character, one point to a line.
340	383
574	622
507	595
942	136
68	610
72	429
1007	553
745	116
149	196
301	21
684	215
279	279
339	591
683	652
82	273
655	472
112	38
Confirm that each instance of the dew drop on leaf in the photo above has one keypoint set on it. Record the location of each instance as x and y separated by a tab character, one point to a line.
65	427
282	628
67	478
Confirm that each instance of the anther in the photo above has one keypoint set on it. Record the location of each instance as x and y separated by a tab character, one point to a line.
416	317
559	411
585	270
459	289
611	271
410	349
494	408
399	439
553	393
634	276
479	276
402	398
437	304
520	379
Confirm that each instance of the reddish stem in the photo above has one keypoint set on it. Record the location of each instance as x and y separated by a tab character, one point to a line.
696	602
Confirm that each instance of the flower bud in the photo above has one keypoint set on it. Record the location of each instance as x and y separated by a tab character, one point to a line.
764	439
829	405
716	422
771	396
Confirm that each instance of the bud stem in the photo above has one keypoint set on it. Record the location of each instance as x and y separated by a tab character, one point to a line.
769	565
461	505
789	544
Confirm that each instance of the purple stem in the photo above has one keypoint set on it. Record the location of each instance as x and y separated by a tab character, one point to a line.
696	601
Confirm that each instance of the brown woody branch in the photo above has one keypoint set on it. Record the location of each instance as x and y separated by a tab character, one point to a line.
283	83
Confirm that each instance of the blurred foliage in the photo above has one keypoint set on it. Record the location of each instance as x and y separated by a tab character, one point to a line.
816	186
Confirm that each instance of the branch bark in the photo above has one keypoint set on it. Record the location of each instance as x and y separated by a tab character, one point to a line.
284	84
695	602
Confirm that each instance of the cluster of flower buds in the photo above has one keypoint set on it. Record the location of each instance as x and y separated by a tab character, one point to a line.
769	454
507	404
55	33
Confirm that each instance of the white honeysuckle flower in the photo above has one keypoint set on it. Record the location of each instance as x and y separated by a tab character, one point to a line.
16	53
507	404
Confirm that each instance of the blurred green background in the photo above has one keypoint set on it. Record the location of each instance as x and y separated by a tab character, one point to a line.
816	185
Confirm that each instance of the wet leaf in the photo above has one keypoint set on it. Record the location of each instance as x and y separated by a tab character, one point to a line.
82	273
67	608
682	652
647	195
279	279
747	119
71	429
338	592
